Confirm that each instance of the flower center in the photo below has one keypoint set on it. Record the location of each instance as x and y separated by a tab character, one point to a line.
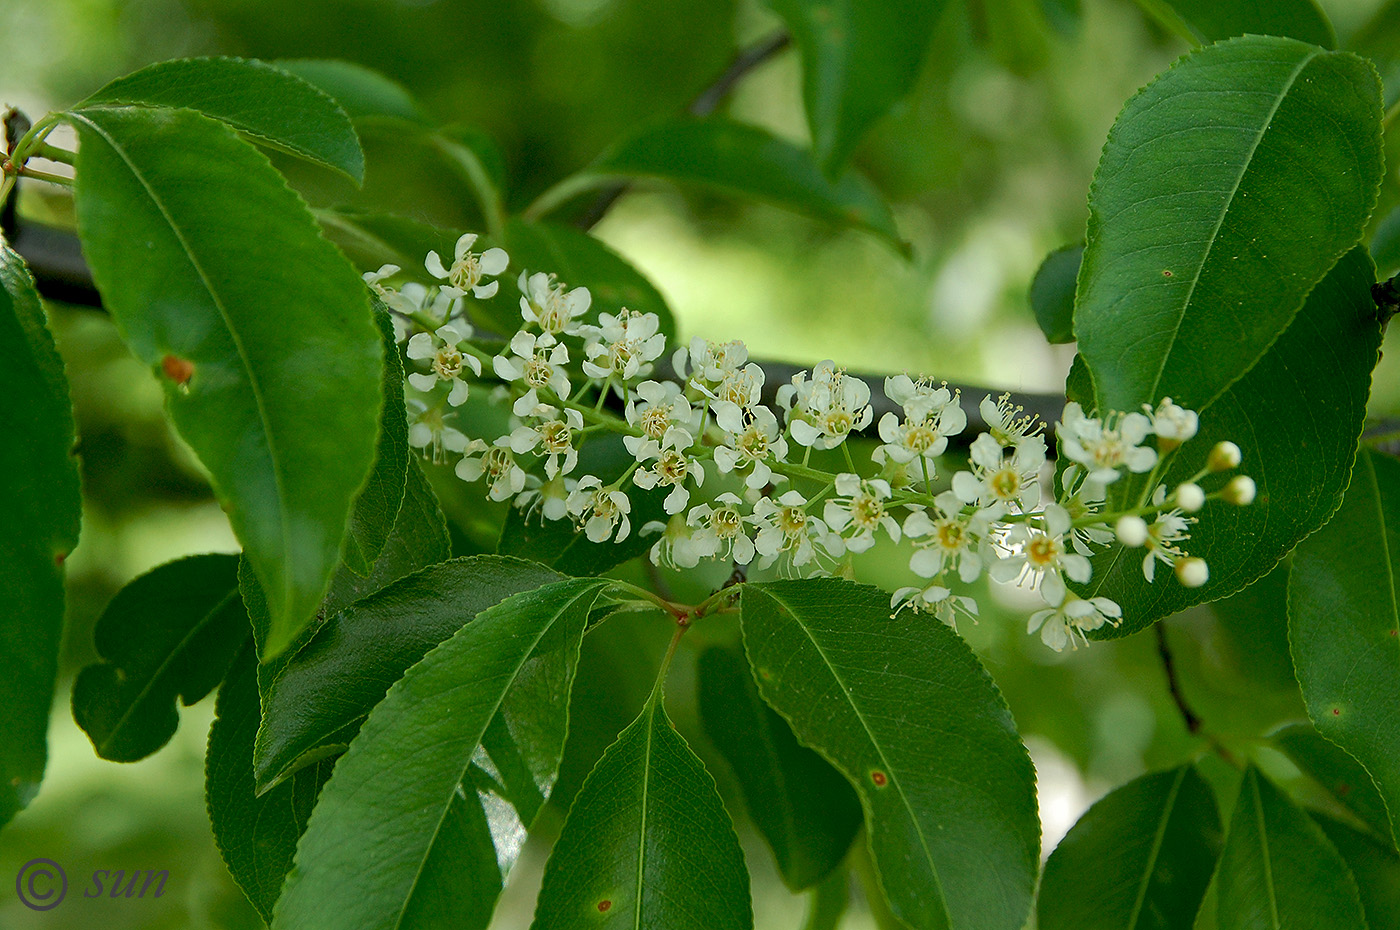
726	522
466	272
950	533
1005	483
866	511
672	468
920	437
556	437
792	521
753	444
1043	551
537	372
496	461
656	420
448	362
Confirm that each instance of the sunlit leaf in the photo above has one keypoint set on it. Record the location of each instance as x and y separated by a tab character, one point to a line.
40	511
903	708
648	842
258	328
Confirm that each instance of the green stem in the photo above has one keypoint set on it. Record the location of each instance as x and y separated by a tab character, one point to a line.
828	901
45	176
54	153
561	193
477	178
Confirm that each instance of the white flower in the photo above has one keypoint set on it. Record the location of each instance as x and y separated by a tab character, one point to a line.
1103	446
742	387
1131	530
552	438
442	350
750	437
709	362
1039	553
1240	491
665	418
504	478
428	429
414	299
931	415
1163	535
1172	424
676	548
785	528
539	364
720	530
600	509
1005	422
671	470
860	511
468	268
998	480
624	345
937	600
822	412
374	279
955	539
1085	502
545	303
550	498
1060	625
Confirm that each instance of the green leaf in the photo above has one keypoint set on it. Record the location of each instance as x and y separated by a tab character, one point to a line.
257	836
1213	20
172	633
1376	868
358	90
1296	416
377	507
802	806
1379	40
648	842
319	698
904	709
735	159
1279	870
1342	622
858	60
428	808
1263	193
1337	772
217	278
1139	858
373	239
1385	244
40	513
274	106
1052	293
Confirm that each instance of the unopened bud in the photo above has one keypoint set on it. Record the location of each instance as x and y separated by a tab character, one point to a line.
1131	530
1190	497
1192	572
1224	456
1239	491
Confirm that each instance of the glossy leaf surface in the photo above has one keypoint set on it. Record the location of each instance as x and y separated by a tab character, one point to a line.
903	708
257	835
858	59
358	90
1213	20
803	807
1296	417
1335	770
1279	870
1139	858
1052	293
40	512
648	842
1343	618
273	105
1188	275
427	809
259	329
321	696
170	634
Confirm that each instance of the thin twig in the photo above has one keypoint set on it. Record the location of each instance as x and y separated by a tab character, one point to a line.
1193	723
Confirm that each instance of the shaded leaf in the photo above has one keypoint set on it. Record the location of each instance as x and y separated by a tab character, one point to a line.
903	708
1052	293
373	239
1335	770
1296	416
1385	244
256	836
1140	858
1279	870
647	843
1226	141
261	331
858	59
40	513
427	809
172	633
359	91
1379	40
1213	20
322	695
802	806
1342	622
1376	868
273	105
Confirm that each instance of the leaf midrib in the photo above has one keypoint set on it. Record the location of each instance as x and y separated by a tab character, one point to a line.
1265	859
1157	841
652	711
889	769
243	357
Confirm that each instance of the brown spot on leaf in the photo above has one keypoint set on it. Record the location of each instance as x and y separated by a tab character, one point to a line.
604	906
59	558
1166	272
1343	789
879	778
179	370
1336	712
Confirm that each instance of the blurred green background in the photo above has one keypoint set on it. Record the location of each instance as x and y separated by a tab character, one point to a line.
987	164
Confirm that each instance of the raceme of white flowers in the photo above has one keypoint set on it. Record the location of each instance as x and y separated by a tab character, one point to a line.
764	504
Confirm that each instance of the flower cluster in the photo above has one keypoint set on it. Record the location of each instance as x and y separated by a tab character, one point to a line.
764	505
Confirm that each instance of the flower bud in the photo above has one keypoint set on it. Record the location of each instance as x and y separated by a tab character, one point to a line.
1239	491
1192	572
1190	497
1131	530
1224	456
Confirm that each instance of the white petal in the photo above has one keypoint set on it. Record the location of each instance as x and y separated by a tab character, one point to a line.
434	266
494	261
422	382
